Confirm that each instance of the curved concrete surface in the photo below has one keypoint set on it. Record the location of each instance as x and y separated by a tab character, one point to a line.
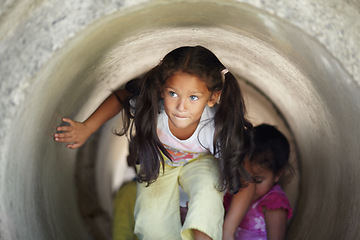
62	59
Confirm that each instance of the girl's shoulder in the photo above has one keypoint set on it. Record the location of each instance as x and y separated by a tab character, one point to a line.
275	199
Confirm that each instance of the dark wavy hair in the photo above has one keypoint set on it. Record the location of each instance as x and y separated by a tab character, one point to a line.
233	132
272	150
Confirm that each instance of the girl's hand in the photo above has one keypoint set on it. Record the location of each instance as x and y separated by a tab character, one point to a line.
76	134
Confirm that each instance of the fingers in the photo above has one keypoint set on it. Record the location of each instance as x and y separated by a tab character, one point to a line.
70	140
68	120
64	133
63	139
74	145
72	132
64	128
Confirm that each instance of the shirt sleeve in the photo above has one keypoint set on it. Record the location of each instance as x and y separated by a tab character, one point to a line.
274	201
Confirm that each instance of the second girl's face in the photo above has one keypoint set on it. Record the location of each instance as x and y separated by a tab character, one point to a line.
185	97
264	180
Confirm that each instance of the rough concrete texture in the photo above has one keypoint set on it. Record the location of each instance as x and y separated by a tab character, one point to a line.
61	58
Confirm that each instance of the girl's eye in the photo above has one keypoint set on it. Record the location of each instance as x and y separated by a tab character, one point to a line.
193	97
257	180
172	94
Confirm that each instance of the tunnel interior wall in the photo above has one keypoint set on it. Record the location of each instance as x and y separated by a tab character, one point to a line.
46	75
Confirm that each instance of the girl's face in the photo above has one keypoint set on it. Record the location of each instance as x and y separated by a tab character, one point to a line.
264	180
185	97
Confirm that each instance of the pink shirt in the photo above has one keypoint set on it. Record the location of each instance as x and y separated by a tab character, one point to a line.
253	226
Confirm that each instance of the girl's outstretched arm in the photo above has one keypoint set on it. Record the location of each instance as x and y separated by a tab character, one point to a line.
78	132
275	221
238	208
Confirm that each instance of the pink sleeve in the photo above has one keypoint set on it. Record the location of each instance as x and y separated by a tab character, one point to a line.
276	200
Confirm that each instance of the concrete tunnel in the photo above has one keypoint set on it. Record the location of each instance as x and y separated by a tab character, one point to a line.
298	63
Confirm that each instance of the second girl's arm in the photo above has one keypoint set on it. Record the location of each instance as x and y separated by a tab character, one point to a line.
275	221
78	132
238	208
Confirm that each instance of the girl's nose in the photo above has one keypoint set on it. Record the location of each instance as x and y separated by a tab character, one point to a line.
181	105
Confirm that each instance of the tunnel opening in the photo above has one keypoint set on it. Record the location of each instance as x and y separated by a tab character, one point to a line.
315	96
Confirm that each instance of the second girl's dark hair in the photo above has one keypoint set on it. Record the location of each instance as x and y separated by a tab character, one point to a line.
272	149
233	132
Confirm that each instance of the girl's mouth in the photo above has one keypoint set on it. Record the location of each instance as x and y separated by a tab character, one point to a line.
181	117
